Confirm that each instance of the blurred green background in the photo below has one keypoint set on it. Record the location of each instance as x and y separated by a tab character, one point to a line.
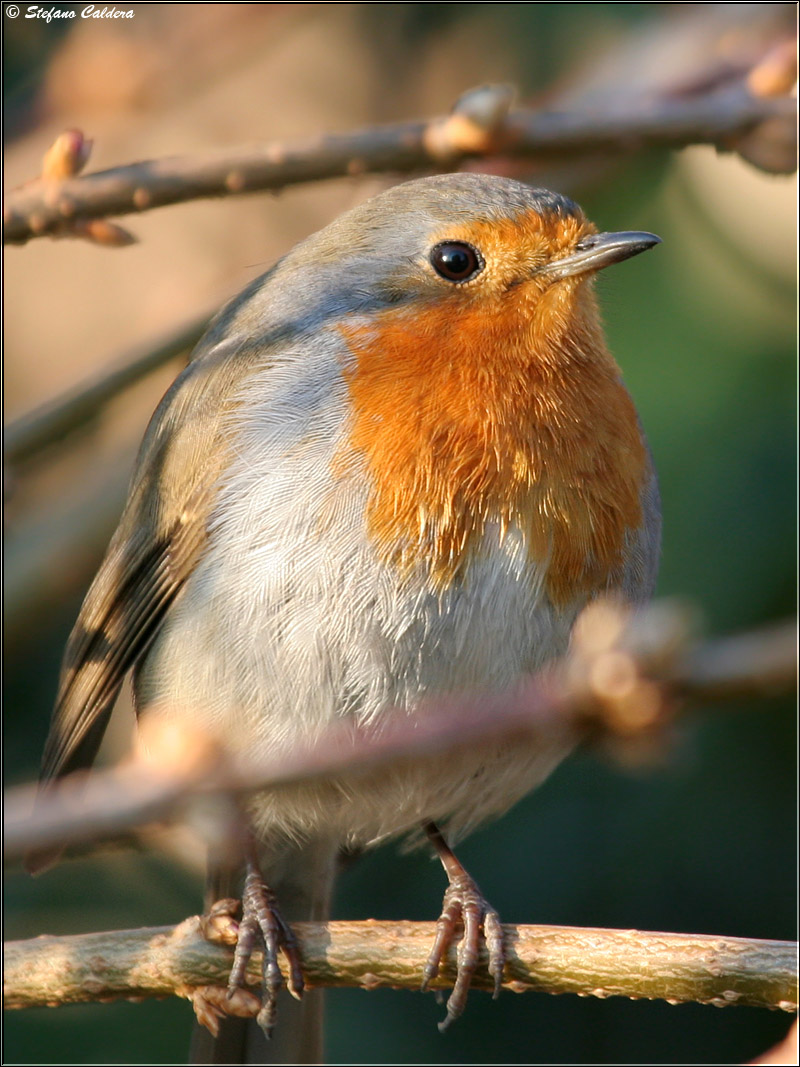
701	840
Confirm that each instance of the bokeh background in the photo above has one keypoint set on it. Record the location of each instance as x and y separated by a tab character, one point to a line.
699	838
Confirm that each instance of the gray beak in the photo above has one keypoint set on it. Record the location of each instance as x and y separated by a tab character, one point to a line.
600	250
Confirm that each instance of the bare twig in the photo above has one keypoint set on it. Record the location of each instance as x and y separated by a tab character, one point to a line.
608	682
159	961
752	664
66	158
45	425
475	129
48	559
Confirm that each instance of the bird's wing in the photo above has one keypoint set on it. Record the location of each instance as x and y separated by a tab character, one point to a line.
135	586
154	550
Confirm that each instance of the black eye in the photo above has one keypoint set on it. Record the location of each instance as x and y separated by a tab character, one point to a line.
456	261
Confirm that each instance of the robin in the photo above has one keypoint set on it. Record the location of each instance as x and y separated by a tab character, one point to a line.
398	464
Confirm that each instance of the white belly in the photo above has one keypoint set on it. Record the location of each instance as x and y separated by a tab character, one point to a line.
291	622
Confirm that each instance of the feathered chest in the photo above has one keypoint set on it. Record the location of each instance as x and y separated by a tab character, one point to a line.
463	431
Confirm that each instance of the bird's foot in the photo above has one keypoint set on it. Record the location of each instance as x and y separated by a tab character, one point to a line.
219	925
262	922
212	1004
261	926
466	910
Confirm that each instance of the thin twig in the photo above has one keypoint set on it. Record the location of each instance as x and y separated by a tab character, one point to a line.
47	424
746	665
54	557
606	683
717	118
156	962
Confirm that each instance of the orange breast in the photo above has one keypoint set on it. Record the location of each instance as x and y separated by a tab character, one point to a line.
480	411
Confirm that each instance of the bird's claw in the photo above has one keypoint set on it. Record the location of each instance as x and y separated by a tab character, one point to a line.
262	922
465	906
212	1004
261	926
219	925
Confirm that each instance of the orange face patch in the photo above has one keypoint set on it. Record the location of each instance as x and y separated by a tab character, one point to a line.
497	402
514	247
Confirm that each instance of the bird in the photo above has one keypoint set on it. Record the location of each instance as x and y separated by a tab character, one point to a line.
398	465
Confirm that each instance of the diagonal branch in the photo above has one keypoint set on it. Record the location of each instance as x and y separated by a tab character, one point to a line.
35	431
617	681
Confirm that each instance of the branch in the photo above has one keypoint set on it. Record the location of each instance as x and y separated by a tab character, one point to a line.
47	424
480	127
752	664
158	961
617	680
50	558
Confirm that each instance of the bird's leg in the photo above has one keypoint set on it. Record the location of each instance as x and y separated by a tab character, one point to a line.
464	905
261	925
262	921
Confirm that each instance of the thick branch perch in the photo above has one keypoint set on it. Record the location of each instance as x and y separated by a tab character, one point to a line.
159	961
474	130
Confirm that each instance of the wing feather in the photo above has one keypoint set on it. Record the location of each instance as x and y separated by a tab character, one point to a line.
154	551
113	632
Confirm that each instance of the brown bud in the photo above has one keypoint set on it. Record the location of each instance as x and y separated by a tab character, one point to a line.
102	232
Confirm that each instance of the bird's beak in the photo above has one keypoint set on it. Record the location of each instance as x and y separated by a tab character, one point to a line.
599	250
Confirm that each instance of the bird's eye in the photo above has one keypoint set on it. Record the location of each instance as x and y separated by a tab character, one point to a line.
456	261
